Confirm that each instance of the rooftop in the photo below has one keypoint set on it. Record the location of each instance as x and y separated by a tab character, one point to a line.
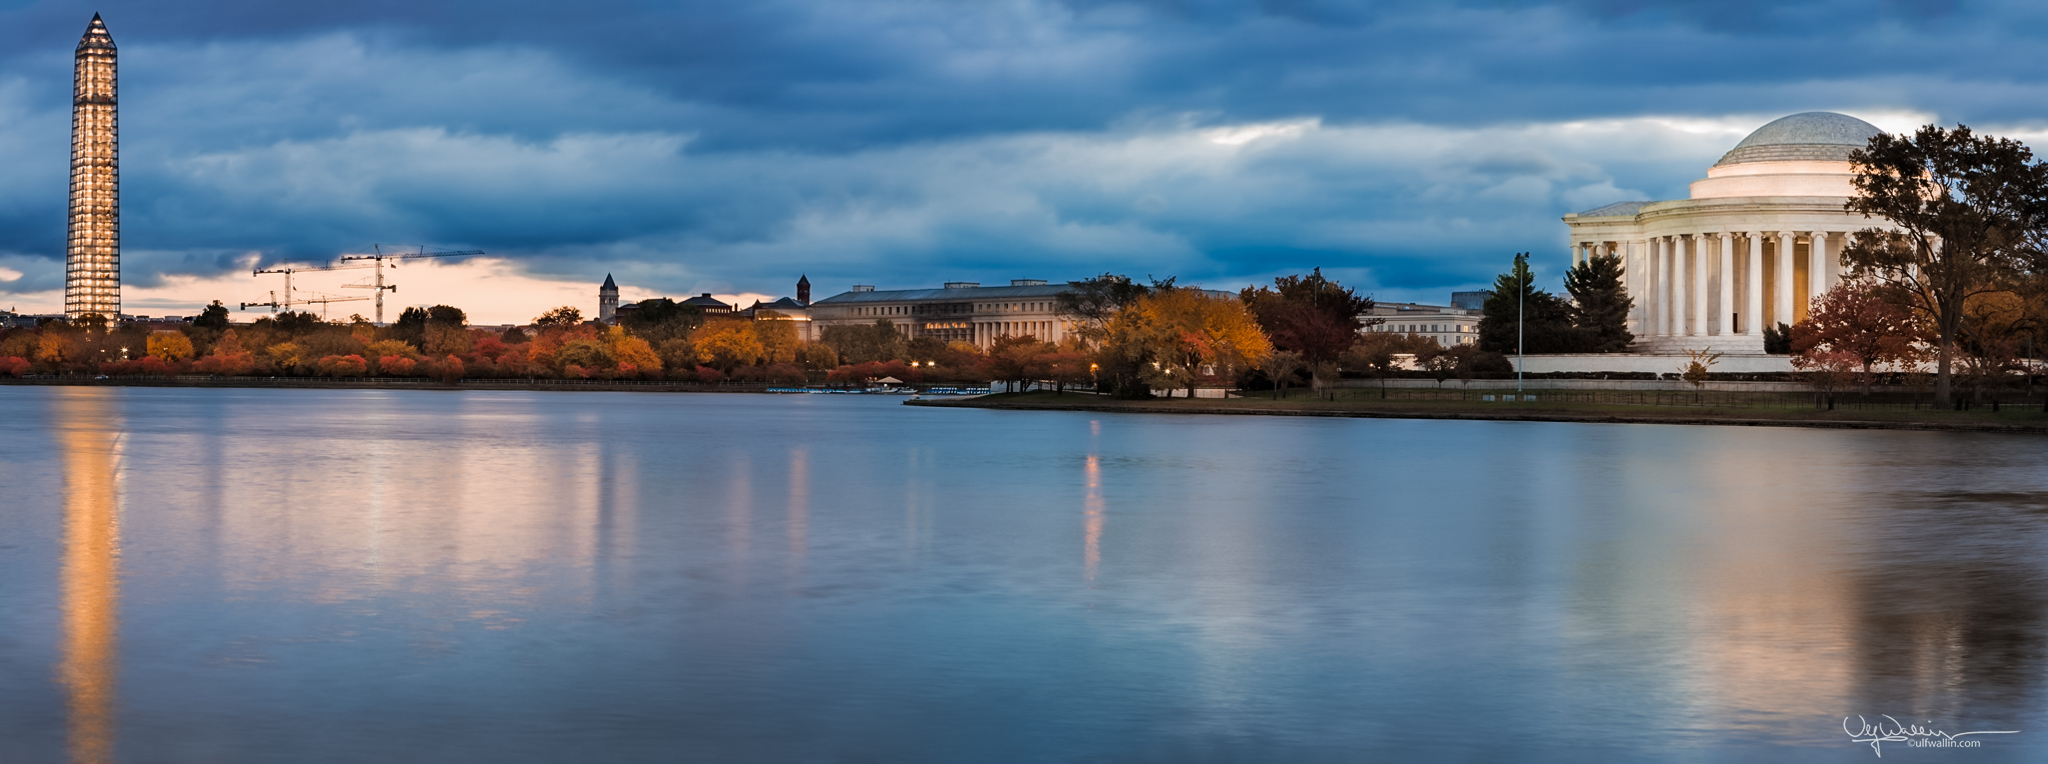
1809	136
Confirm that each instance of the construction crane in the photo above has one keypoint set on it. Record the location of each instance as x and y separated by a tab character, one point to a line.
288	300
324	299
272	305
376	261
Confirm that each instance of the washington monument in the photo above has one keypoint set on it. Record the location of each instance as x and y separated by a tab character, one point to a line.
92	251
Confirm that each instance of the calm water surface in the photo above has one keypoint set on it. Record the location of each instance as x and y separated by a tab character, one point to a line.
302	575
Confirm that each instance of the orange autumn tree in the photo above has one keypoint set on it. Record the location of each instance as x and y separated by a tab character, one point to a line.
726	344
631	355
170	347
1183	334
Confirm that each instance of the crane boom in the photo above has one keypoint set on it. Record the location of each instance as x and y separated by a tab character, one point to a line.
377	261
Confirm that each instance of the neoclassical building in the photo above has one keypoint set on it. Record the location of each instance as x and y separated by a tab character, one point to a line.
1760	235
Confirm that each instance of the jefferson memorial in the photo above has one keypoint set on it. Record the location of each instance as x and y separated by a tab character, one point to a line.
1761	235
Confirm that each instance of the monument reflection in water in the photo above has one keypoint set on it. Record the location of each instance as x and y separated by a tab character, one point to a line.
91	444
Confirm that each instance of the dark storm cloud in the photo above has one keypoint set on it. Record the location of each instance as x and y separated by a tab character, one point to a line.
1410	145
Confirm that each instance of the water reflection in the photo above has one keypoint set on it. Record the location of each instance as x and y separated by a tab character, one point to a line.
1954	617
799	509
91	444
525	577
1091	511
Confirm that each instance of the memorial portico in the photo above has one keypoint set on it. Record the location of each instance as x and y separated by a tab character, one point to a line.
1760	237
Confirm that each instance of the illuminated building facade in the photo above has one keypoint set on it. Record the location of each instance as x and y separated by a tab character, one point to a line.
92	252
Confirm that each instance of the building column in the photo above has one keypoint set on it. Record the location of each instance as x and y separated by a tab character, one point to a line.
1699	284
1726	307
1653	251
1817	267
1641	274
1786	247
1753	287
1679	286
1666	325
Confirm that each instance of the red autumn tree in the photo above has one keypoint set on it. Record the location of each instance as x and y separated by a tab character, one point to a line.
1856	319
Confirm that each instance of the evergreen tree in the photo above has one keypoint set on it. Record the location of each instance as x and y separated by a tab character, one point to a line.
661	319
214	317
1600	304
1515	307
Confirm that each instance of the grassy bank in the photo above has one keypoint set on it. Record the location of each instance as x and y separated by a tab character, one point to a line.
1669	409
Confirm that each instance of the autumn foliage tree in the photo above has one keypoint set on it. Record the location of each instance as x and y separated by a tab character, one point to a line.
1182	334
1856	319
1311	315
1963	212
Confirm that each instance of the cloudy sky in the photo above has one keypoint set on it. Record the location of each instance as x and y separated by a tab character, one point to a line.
1410	148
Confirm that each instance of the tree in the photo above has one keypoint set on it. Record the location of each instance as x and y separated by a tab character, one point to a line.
1090	304
679	354
1281	368
170	347
292	323
446	315
777	335
1600	304
562	317
660	319
1377	355
411	326
726	344
1697	369
1855	318
1439	362
1827	370
1016	360
1066	367
1185	333
55	347
631	355
213	317
1965	212
817	356
857	344
1310	315
1539	319
1778	339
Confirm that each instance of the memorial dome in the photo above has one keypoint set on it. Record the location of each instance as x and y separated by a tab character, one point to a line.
1814	136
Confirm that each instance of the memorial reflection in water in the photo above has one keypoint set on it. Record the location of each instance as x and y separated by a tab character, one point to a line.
91	444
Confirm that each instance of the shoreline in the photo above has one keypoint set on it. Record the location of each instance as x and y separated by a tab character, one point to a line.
1714	417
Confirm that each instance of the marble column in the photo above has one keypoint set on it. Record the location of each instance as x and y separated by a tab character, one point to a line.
1699	283
1726	306
1646	261
1679	286
1817	267
1661	275
1783	313
1753	287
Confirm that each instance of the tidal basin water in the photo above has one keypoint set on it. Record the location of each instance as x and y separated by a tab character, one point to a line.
347	576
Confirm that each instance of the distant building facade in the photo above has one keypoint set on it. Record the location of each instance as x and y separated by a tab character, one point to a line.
1450	326
961	311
